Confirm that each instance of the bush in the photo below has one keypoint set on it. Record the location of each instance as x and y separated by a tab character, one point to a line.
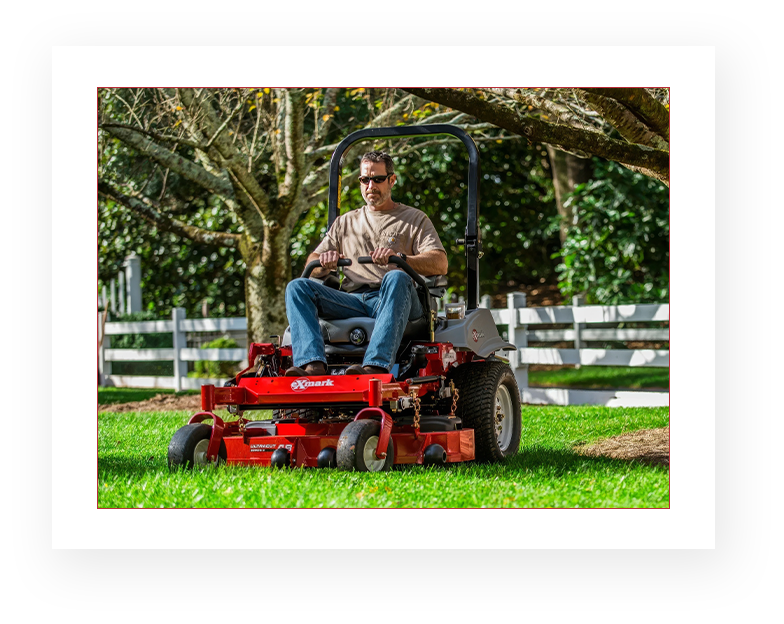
618	249
205	368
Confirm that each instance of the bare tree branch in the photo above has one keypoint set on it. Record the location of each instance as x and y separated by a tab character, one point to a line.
650	111
145	209
624	121
172	160
655	161
247	189
225	123
129	107
158	137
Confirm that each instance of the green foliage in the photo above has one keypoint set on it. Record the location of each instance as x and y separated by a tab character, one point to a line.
516	205
176	272
516	198
308	232
618	250
205	368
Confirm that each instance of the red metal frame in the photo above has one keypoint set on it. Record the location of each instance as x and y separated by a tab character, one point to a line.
305	440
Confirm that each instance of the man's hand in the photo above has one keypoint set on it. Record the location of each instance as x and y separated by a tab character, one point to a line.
329	260
381	255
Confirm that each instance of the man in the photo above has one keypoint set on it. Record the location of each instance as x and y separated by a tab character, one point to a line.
380	229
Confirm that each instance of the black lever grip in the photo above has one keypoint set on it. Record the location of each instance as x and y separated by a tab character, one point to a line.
398	261
315	264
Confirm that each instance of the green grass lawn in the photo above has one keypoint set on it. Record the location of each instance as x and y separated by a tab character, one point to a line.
600	377
132	470
110	396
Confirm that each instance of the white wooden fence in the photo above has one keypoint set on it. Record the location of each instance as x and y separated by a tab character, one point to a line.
516	316
520	318
128	285
179	353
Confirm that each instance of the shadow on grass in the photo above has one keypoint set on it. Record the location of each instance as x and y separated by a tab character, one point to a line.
555	462
561	460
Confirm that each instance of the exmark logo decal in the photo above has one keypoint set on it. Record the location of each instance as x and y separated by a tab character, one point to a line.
266	448
477	335
303	383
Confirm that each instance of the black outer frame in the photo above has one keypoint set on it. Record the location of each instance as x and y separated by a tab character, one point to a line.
472	241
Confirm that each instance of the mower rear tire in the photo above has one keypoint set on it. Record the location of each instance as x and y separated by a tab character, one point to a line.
188	447
489	404
357	448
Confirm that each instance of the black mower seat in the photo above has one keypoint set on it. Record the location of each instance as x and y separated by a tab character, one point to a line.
340	330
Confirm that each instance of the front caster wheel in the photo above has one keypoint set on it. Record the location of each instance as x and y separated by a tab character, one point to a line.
357	448
188	447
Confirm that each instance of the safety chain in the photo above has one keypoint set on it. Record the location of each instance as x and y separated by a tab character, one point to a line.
455	396
415	399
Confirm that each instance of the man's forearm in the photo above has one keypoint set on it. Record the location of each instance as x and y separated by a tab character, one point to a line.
431	262
319	272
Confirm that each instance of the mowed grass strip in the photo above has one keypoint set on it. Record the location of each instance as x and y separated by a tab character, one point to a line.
132	470
630	377
111	396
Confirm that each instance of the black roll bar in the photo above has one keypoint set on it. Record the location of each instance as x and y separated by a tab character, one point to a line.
472	241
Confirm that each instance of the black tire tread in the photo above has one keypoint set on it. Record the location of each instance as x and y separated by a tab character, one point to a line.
353	437
477	383
184	441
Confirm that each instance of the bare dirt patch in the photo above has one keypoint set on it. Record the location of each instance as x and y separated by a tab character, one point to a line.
649	446
158	403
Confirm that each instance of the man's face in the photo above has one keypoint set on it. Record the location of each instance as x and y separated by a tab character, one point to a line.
375	194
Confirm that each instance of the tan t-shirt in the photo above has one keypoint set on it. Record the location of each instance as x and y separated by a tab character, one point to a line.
357	233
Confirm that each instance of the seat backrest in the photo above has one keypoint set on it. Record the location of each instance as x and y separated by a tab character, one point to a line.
437	285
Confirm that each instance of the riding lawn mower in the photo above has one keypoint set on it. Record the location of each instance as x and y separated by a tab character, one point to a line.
448	398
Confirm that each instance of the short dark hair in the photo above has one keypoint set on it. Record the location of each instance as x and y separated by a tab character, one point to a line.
378	157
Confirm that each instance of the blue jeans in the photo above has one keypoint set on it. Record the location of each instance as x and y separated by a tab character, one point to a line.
393	305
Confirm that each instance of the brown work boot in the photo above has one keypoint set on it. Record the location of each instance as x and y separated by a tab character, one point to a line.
312	369
356	369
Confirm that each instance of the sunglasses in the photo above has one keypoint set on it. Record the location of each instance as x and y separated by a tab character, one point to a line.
376	179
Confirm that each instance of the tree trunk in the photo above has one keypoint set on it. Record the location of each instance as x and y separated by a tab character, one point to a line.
568	172
267	272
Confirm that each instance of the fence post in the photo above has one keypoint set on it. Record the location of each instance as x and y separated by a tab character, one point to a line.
518	336
133	283
577	301
178	342
113	295
485	301
121	292
104	367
